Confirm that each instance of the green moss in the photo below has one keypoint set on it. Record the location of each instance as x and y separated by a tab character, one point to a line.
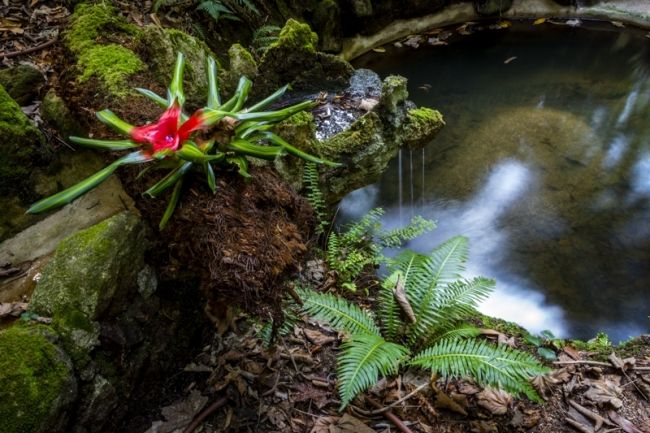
32	378
20	145
242	61
57	114
393	92
112	64
296	35
422	124
89	21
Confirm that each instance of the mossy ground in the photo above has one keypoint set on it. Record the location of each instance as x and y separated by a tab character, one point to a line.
296	35
32	376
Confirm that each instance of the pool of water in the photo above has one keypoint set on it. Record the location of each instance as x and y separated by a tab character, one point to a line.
544	164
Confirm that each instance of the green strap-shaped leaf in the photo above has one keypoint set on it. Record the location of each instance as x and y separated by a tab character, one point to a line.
191	152
105	144
213	87
268	100
245	129
243	88
209	173
176	85
153	96
67	195
242	165
111	119
171	206
210	116
263	152
170	179
274	116
297	152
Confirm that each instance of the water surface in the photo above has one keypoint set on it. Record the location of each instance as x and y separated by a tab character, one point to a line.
544	165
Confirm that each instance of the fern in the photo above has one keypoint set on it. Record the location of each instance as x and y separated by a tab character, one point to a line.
289	322
338	312
216	9
263	37
247	5
417	226
498	366
364	357
315	196
439	300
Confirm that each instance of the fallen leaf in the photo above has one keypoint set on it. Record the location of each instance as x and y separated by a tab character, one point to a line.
617	24
413	41
180	413
544	383
494	400
573	353
483	427
468	388
509	60
504	24
443	401
345	424
436	42
539	21
604	392
318	337
400	296
573	23
379	50
621	364
623	423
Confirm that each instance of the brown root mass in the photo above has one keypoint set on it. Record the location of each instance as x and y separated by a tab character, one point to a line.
242	241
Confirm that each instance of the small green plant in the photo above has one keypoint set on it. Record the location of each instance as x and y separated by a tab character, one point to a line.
362	243
600	343
546	344
425	289
263	37
315	196
230	134
215	9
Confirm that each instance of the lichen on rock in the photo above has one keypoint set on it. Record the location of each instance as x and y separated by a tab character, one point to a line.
37	382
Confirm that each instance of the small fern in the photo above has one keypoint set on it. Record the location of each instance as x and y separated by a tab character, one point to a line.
263	37
315	196
217	10
429	290
361	244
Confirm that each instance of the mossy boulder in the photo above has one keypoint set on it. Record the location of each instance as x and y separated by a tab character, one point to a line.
21	148
91	268
161	46
300	131
37	382
327	22
421	125
55	111
111	63
241	62
22	83
393	92
293	59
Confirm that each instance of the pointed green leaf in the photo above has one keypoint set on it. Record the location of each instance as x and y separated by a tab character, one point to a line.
171	206
170	179
209	172
268	100
243	88
111	119
105	144
67	195
242	165
213	87
297	152
191	152
176	85
264	152
274	116
154	97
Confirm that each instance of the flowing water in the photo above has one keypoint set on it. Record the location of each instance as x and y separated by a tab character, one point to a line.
544	164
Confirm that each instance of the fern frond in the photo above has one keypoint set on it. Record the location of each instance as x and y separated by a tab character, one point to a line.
249	5
338	312
458	332
315	195
363	358
459	299
366	226
498	366
389	312
215	8
287	326
396	237
157	4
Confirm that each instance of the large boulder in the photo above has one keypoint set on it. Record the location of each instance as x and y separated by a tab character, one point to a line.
37	382
22	82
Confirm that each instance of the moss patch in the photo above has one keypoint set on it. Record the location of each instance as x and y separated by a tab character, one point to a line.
112	64
34	380
422	124
296	35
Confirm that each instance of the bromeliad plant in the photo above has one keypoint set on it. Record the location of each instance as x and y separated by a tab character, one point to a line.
230	134
425	289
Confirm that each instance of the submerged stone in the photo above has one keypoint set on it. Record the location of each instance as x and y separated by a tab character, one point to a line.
37	382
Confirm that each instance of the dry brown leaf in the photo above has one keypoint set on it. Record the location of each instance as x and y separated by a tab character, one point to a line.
604	392
617	24
483	427
494	400
621	364
317	337
400	296
544	383
413	41
379	50
572	352
345	424
443	401
468	388
624	423
539	21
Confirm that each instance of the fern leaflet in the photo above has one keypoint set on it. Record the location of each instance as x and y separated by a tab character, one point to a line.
363	358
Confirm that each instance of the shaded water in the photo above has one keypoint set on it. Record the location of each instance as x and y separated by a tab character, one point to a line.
544	165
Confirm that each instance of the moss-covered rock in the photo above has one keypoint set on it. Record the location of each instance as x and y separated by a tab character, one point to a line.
55	111
91	268
422	124
327	22
293	59
393	92
161	46
22	83
242	62
21	147
491	7
112	64
37	383
300	131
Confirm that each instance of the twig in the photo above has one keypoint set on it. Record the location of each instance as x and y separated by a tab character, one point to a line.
602	364
393	404
578	426
391	417
599	420
196	422
28	50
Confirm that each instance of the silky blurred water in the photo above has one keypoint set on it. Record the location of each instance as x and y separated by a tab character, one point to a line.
544	164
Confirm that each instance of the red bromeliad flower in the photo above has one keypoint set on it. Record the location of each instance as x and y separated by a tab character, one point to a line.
166	134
